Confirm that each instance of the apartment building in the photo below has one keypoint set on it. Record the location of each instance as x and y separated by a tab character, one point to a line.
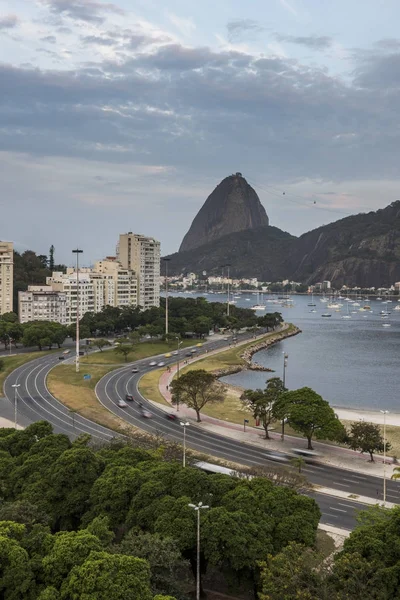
42	303
66	284
122	283
6	277
141	254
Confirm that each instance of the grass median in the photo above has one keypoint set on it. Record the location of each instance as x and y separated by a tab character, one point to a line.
13	362
142	350
231	409
79	396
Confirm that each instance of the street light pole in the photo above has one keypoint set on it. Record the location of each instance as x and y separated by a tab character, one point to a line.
177	367
198	507
166	261
15	386
285	362
77	252
184	425
384	412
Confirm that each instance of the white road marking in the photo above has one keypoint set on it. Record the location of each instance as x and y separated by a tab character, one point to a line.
338	509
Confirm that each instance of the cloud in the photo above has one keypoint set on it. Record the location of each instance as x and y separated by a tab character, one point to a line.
51	39
82	10
314	42
8	22
288	7
98	40
185	26
239	29
380	71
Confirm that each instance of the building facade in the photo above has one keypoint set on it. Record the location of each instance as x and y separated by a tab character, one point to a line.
42	303
141	254
6	277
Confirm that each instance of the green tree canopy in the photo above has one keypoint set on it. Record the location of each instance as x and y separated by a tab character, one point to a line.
261	402
367	437
196	388
309	414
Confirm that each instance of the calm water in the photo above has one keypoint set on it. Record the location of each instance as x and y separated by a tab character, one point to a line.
351	363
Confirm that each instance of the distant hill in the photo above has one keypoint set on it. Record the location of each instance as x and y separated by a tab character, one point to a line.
361	250
254	252
233	206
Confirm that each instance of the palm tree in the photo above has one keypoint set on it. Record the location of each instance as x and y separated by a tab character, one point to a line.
397	474
298	462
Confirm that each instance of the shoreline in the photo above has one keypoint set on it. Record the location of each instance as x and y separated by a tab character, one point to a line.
344	413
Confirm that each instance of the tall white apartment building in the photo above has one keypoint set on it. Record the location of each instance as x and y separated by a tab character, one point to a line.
6	277
108	284
42	303
66	283
141	254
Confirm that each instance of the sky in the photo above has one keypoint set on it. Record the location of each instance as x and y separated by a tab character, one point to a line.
123	116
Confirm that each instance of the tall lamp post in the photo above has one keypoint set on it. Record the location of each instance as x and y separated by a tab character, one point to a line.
15	386
285	362
384	412
166	261
184	425
198	507
77	252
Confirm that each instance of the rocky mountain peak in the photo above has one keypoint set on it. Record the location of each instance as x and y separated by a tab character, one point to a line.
233	206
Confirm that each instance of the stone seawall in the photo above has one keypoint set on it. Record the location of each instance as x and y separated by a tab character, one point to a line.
248	354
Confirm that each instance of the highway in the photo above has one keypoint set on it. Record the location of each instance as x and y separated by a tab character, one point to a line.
36	403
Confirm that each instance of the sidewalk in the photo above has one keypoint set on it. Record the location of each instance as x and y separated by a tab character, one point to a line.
336	456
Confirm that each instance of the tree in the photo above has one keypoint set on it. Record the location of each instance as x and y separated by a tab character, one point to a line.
197	388
124	349
106	576
163	555
291	574
261	403
69	550
16	577
298	462
2	364
367	437
102	343
51	258
308	413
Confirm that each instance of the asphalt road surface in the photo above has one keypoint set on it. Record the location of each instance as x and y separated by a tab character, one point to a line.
36	403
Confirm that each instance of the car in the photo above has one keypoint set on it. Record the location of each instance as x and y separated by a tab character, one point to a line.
161	364
193	351
122	404
172	416
129	398
278	457
168	355
188	354
61	358
146	414
175	353
135	370
153	363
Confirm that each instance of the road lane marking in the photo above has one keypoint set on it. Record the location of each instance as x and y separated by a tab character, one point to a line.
329	515
338	509
342	484
347	505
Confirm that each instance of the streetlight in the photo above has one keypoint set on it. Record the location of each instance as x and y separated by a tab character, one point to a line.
15	386
166	261
77	252
384	412
198	507
227	305
184	425
285	362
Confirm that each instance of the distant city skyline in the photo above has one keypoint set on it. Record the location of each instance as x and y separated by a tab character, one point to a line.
118	116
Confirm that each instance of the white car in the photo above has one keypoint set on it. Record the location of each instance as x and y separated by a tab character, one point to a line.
135	370
153	363
161	364
175	353
122	404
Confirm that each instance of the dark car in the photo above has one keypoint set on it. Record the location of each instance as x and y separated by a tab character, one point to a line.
172	417
61	358
188	354
129	397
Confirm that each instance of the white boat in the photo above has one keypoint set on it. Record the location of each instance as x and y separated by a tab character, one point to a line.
258	307
347	316
232	302
386	325
379	298
314	310
397	307
356	304
312	301
389	301
334	305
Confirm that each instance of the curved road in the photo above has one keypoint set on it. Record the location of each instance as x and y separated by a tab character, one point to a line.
36	403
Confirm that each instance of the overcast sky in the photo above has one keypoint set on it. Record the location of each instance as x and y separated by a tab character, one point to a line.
123	116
